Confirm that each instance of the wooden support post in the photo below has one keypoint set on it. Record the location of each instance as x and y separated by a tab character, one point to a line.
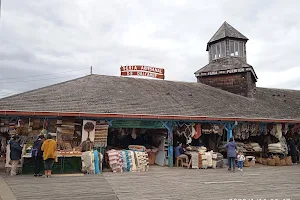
169	127
229	127
261	128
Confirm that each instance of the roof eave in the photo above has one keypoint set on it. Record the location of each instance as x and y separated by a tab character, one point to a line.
143	116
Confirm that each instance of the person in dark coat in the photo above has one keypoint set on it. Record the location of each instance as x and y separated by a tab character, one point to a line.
231	154
37	155
292	149
15	154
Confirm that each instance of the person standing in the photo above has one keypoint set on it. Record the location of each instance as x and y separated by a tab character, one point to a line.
241	159
231	154
49	155
15	154
37	155
292	149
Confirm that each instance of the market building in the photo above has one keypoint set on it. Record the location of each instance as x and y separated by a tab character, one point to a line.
156	114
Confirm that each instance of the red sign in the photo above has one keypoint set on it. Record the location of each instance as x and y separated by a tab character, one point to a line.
142	73
143	68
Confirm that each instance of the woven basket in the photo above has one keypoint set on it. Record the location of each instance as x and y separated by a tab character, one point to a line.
246	163
288	161
282	162
265	162
277	161
259	160
271	162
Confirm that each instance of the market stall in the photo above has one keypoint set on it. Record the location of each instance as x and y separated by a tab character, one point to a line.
135	143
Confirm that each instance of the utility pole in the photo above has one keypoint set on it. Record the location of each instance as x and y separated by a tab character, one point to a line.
91	70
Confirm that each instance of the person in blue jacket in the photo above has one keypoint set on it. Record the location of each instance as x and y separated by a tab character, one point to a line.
180	152
15	154
231	154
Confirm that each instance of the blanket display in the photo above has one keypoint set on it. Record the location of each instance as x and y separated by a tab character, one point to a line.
88	164
115	161
203	160
280	147
255	147
101	132
128	161
245	130
276	130
239	146
195	160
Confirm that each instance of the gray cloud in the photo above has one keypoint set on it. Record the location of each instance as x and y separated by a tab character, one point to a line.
58	36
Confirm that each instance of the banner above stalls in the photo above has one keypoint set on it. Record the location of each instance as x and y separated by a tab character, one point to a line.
141	70
137	124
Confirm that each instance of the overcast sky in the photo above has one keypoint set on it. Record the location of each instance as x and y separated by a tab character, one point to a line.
43	42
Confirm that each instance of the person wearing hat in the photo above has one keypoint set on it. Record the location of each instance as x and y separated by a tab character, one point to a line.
15	154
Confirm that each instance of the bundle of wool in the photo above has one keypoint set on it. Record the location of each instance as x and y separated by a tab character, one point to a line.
214	164
276	148
199	160
204	164
202	149
214	156
209	159
195	160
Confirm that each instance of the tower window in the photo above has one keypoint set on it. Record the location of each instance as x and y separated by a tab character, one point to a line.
218	50
236	48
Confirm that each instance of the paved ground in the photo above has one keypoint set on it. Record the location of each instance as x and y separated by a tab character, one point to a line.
260	182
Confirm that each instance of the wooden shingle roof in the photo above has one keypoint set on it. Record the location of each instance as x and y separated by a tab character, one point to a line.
225	65
111	94
226	30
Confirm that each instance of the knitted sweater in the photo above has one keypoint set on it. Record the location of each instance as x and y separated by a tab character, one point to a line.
49	148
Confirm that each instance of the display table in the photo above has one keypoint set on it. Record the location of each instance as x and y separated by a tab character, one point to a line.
67	163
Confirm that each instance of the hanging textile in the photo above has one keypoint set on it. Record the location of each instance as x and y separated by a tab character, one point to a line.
193	131
215	128
254	129
96	162
265	129
273	130
133	134
285	129
237	132
296	128
221	127
278	133
198	131
206	128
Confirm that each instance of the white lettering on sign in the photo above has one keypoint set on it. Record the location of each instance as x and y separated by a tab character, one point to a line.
143	68
229	71
149	74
